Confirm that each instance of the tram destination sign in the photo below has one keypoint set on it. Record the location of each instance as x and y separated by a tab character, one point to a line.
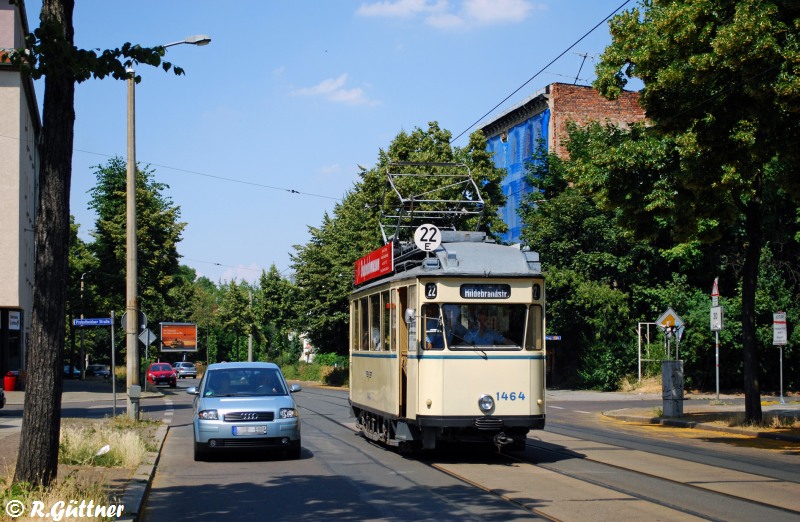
375	264
485	291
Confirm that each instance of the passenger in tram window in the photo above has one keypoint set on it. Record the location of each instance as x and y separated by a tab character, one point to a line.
376	339
453	327
482	334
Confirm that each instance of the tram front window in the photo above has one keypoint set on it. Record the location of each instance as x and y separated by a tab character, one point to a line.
484	325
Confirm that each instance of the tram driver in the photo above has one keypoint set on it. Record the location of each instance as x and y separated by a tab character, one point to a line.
452	329
482	334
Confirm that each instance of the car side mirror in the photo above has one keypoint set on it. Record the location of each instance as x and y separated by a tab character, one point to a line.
295	388
192	390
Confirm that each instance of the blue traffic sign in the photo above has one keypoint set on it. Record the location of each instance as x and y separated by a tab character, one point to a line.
552	337
102	321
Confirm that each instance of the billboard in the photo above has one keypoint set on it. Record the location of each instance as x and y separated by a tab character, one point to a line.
178	337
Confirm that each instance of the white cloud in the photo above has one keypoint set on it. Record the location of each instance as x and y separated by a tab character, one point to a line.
401	8
497	11
327	170
445	15
241	273
332	89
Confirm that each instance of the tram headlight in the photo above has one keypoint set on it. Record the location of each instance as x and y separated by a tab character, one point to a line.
486	403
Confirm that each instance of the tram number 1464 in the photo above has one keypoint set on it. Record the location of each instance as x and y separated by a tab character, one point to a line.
513	396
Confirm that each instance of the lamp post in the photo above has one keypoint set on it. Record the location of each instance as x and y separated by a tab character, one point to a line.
131	301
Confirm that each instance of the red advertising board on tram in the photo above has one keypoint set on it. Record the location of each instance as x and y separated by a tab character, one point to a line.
375	264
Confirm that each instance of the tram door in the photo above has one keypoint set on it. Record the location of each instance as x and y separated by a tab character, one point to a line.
402	341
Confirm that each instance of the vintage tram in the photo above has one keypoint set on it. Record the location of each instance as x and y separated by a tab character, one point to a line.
447	341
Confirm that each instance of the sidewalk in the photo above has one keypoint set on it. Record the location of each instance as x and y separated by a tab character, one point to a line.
96	391
724	416
82	391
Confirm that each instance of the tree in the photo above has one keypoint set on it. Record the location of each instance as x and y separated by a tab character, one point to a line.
721	85
593	269
324	266
237	320
276	312
50	53
158	233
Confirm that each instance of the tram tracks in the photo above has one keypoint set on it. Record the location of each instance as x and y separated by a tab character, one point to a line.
561	478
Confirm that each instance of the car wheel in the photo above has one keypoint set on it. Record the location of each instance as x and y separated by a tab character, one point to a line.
200	453
294	451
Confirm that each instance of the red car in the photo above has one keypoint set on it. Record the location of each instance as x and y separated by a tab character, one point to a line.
162	373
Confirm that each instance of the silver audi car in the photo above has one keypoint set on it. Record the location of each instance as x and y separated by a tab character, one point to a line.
245	405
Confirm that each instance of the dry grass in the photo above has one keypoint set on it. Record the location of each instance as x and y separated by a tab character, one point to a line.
101	446
62	491
646	385
83	474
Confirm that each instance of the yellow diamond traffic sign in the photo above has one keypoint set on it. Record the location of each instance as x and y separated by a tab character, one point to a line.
669	319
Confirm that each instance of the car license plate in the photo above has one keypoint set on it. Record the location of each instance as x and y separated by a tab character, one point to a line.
249	430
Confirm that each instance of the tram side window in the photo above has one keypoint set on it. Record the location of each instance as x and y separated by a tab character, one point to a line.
363	323
411	318
389	326
533	338
434	336
354	325
375	331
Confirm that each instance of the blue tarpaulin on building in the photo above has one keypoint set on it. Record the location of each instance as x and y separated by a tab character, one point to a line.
513	152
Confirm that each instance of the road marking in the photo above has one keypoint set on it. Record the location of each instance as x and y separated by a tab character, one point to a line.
556	407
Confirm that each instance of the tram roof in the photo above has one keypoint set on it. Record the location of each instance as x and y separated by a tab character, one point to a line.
466	259
483	259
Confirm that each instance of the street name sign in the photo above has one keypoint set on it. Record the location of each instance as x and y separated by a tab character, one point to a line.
100	321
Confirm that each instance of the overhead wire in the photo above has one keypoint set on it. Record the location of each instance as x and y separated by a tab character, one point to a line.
543	69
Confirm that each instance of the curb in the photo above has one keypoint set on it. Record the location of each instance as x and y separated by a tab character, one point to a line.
139	485
679	423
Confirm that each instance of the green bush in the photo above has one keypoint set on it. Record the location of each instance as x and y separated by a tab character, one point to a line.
331	359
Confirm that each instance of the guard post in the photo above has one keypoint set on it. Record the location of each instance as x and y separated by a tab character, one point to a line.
672	388
671	371
134	396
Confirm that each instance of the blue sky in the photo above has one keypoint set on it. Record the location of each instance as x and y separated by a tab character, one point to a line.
292	96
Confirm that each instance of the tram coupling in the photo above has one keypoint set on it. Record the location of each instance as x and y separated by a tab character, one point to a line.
501	439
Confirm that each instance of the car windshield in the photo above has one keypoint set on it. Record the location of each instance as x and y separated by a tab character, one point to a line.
161	368
244	382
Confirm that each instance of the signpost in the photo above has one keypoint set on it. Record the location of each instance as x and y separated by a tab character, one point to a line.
104	321
671	324
779	338
716	324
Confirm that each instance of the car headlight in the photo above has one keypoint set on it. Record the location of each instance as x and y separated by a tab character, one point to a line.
486	403
287	413
208	415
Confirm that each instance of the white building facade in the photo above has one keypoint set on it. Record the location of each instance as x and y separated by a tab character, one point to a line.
20	124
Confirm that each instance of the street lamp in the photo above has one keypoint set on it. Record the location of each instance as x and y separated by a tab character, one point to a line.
131	302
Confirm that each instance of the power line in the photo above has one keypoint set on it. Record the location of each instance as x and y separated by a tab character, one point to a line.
554	60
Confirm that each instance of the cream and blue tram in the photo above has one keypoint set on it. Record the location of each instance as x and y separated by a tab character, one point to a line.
449	345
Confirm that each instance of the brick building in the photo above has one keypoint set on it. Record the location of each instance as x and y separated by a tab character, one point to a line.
514	135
